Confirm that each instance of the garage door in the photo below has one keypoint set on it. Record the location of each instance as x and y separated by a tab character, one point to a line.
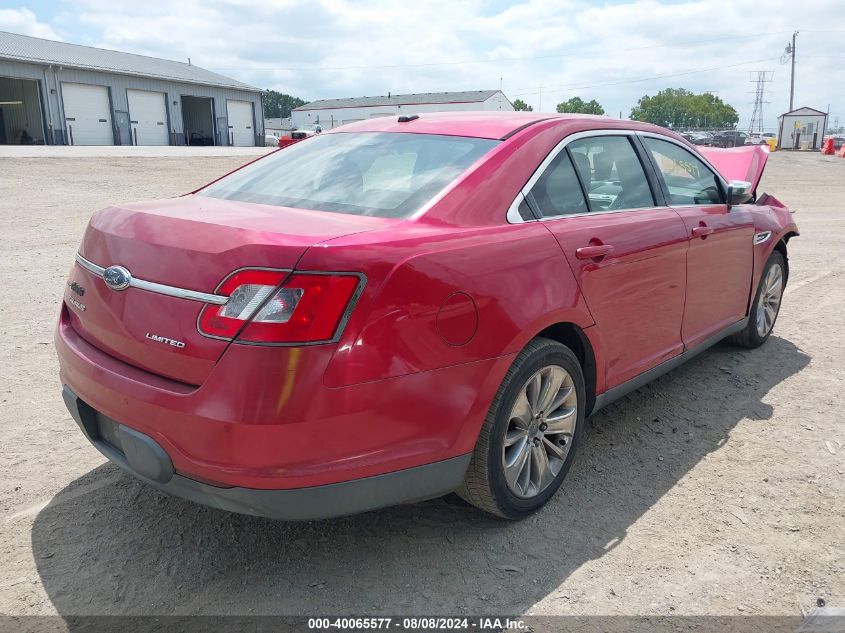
241	132
87	114
148	117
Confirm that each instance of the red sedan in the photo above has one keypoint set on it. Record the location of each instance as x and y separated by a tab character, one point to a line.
398	309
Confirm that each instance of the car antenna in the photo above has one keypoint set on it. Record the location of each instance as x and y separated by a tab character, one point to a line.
408	118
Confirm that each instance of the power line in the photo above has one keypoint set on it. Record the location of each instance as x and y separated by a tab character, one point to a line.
495	60
533	90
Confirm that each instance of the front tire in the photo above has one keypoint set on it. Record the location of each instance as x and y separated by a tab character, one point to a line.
528	440
766	306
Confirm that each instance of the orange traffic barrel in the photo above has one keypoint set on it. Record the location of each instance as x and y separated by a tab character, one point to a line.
827	147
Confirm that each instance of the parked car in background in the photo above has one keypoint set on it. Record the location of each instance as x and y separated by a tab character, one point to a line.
305	131
729	138
402	308
271	140
759	139
701	138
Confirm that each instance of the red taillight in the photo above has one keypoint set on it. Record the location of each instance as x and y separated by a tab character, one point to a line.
306	308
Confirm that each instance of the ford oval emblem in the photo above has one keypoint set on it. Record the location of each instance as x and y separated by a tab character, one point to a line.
117	277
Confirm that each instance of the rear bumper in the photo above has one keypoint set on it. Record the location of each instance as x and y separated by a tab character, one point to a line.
140	455
264	419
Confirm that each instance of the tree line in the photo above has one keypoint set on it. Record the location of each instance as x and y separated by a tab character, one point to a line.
278	104
675	108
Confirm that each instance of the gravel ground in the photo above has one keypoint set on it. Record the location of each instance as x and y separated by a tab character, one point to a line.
719	489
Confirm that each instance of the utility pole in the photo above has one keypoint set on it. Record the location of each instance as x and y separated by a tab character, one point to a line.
792	79
790	54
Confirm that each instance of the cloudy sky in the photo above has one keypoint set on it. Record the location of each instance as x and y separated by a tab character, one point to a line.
541	51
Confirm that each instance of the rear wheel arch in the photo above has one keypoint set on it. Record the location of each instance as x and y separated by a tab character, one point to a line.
573	337
486	483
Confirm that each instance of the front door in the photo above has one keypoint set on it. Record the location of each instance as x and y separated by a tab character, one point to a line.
720	258
628	254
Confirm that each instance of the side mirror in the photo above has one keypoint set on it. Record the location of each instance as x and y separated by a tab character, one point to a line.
739	192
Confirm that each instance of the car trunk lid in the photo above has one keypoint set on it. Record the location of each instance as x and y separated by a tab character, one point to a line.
190	243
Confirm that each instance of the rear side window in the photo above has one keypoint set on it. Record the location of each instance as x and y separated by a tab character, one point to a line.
557	191
688	180
612	173
380	174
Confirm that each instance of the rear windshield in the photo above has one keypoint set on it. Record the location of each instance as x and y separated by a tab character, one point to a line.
387	175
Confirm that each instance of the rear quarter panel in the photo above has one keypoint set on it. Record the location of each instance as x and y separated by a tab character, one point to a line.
438	298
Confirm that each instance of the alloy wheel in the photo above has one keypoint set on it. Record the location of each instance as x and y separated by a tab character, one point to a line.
540	431
769	302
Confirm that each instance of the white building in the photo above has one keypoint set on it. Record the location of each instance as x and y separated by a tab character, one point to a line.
801	129
330	113
277	126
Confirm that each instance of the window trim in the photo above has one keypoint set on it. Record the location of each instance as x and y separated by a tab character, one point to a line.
513	216
658	191
535	206
723	185
655	180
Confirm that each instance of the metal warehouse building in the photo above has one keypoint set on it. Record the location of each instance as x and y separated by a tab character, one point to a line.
329	113
65	94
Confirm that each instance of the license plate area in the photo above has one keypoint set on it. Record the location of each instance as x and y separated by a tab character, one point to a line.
107	430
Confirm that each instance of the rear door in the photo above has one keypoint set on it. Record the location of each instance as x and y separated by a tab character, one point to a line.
241	128
87	111
627	252
721	258
148	117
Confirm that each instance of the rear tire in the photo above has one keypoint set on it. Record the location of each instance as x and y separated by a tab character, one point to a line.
766	307
528	440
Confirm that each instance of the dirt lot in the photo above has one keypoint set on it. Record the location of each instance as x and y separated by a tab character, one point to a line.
718	489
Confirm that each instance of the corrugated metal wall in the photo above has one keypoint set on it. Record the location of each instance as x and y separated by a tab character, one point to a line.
51	78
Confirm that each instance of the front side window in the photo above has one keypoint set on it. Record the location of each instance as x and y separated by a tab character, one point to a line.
381	174
688	180
611	172
557	191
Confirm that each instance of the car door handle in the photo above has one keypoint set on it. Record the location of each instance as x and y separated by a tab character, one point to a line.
702	231
591	252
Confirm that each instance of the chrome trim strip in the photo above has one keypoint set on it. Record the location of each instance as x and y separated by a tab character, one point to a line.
514	216
91	267
162	289
761	237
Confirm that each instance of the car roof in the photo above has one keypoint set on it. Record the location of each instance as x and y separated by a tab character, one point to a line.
492	125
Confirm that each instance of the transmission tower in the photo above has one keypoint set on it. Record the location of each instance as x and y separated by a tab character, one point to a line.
760	78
